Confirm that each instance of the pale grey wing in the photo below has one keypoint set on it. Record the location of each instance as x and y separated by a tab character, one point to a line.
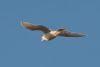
71	34
35	27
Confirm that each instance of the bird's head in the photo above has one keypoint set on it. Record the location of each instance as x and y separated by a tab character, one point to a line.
62	29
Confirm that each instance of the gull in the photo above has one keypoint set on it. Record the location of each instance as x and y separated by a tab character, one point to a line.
50	34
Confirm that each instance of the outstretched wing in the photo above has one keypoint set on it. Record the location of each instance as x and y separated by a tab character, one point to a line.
35	27
71	34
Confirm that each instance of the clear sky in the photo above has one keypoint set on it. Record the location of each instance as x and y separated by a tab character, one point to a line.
23	48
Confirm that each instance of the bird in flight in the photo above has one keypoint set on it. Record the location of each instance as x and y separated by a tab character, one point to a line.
50	34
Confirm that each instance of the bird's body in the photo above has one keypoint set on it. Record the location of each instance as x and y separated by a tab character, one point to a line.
51	34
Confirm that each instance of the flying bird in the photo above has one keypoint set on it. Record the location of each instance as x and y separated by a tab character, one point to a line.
50	34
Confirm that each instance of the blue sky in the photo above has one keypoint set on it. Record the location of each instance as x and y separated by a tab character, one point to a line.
23	48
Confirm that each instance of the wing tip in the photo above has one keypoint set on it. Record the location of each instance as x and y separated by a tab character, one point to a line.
25	24
82	35
22	23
